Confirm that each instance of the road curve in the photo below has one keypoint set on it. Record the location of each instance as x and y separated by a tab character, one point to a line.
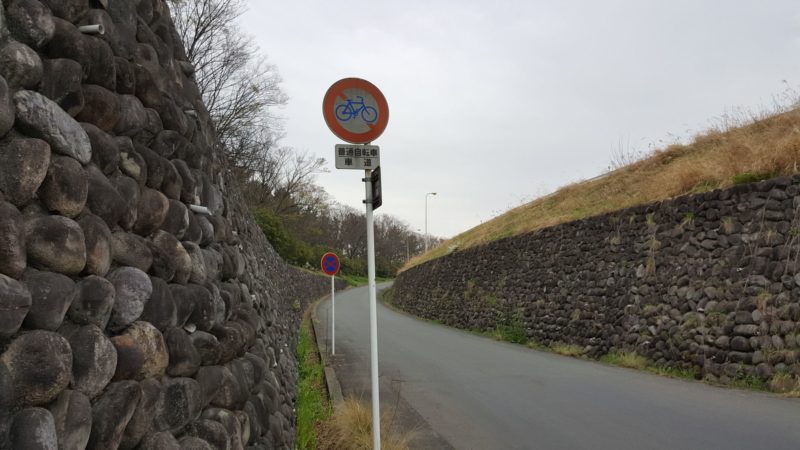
477	393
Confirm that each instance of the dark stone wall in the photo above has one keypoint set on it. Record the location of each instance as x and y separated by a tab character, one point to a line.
127	319
709	283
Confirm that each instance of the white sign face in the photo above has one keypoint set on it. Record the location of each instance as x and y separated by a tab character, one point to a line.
356	110
359	157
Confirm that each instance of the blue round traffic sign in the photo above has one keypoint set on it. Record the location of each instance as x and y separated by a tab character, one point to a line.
330	263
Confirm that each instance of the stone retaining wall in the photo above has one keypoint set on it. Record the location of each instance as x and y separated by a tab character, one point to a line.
708	283
127	318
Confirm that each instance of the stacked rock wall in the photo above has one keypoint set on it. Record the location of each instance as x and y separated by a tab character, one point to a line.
129	317
708	283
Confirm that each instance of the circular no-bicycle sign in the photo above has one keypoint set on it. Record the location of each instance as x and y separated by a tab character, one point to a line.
355	110
330	263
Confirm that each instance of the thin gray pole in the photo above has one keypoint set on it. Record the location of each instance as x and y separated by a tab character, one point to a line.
373	316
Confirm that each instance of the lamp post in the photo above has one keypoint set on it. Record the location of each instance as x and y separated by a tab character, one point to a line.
426	218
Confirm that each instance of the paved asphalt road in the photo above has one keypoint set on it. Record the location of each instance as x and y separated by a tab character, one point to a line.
477	393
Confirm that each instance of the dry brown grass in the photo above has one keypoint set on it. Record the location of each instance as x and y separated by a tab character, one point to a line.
764	147
350	428
793	394
567	349
786	384
627	359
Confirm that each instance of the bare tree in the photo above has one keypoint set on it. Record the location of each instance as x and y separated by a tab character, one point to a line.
284	183
349	234
239	86
296	184
391	236
241	90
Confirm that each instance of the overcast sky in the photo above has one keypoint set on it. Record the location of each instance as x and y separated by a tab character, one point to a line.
493	102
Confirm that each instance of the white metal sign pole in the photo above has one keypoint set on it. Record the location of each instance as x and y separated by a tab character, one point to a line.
373	316
333	317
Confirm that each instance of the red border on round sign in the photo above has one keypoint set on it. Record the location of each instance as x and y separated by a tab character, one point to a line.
329	110
338	263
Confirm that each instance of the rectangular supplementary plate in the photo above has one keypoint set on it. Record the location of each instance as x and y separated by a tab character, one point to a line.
359	157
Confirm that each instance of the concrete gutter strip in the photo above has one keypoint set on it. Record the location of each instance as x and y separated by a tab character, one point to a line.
332	383
334	388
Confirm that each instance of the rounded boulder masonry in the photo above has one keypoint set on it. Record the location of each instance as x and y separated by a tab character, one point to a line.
15	302
40	364
31	22
51	296
94	302
20	65
681	294
55	243
12	241
7	111
33	428
133	289
65	187
97	237
72	413
61	83
94	360
23	167
42	118
125	315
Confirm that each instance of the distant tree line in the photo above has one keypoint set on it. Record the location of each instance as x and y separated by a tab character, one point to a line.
301	241
241	89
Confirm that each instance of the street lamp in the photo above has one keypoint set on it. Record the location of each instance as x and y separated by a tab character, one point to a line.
426	218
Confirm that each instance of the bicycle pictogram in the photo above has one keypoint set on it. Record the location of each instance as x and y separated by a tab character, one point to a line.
353	109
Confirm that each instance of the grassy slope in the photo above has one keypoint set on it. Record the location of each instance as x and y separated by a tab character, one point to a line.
766	147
